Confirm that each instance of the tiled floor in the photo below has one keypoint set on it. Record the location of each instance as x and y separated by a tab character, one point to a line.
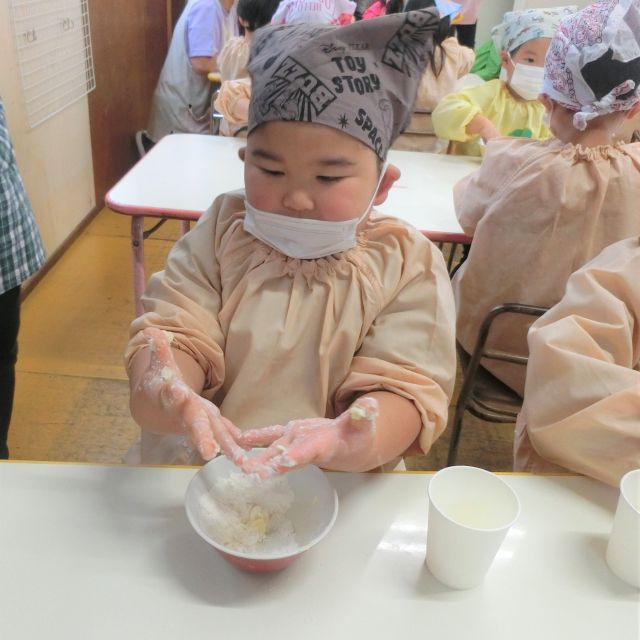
71	399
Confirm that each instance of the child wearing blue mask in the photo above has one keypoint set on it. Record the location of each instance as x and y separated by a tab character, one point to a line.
300	318
507	106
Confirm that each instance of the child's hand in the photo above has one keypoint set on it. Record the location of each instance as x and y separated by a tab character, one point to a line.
483	127
162	383
312	441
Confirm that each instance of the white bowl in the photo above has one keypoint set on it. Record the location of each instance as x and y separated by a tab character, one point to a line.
314	510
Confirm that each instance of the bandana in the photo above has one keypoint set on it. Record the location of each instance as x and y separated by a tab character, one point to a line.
585	37
518	27
361	78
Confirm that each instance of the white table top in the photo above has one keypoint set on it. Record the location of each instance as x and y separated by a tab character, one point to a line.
104	552
183	173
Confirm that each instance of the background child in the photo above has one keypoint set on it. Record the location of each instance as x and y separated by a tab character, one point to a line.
252	14
507	106
538	210
449	62
582	402
289	304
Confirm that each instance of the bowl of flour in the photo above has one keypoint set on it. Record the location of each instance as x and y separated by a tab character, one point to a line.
260	525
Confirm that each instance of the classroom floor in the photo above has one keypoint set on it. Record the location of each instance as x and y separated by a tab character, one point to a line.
71	401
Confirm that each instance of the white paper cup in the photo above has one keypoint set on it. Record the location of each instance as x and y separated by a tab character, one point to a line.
623	550
470	512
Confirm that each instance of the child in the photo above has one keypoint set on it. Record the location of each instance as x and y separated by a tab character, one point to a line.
252	14
290	303
538	210
582	399
449	62
507	106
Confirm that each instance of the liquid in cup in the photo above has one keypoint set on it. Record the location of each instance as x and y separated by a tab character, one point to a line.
623	549
470	512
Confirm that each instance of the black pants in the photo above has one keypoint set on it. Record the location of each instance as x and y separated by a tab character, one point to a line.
9	323
466	34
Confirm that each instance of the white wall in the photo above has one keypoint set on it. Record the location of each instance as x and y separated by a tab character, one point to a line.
491	12
55	157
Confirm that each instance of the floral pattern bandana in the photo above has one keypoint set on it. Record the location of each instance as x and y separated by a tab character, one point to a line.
587	36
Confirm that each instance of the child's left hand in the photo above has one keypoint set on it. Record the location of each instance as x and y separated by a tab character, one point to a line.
312	440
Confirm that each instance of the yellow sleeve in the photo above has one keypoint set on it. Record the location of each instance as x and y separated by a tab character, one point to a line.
455	111
409	349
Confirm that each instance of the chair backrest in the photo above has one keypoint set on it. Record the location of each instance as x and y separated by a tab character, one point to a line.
481	394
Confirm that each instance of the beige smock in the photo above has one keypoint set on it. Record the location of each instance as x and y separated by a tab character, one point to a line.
537	212
492	99
280	338
233	58
230	92
582	397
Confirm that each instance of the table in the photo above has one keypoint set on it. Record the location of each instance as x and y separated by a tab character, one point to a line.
181	176
103	552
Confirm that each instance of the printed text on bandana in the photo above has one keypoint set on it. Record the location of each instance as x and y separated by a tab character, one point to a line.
366	124
353	76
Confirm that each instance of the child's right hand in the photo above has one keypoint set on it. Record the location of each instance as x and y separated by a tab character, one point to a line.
481	125
163	383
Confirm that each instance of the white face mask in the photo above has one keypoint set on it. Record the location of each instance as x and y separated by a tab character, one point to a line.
305	238
527	80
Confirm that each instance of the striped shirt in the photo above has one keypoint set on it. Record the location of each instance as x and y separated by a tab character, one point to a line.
21	251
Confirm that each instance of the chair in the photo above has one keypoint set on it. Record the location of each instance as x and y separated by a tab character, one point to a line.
483	395
144	143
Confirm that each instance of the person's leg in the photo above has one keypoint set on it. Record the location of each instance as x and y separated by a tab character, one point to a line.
466	34
9	322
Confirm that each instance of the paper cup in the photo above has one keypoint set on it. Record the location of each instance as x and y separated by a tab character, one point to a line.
470	512
623	550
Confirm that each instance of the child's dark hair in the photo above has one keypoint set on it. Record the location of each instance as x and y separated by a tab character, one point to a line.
444	30
256	13
393	6
605	73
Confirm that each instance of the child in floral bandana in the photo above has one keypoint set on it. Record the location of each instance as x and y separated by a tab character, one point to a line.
292	305
538	210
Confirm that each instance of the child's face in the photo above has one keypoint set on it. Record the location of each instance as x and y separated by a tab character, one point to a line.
308	170
531	53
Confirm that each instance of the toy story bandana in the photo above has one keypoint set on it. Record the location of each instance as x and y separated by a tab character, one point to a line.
603	28
361	78
518	27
